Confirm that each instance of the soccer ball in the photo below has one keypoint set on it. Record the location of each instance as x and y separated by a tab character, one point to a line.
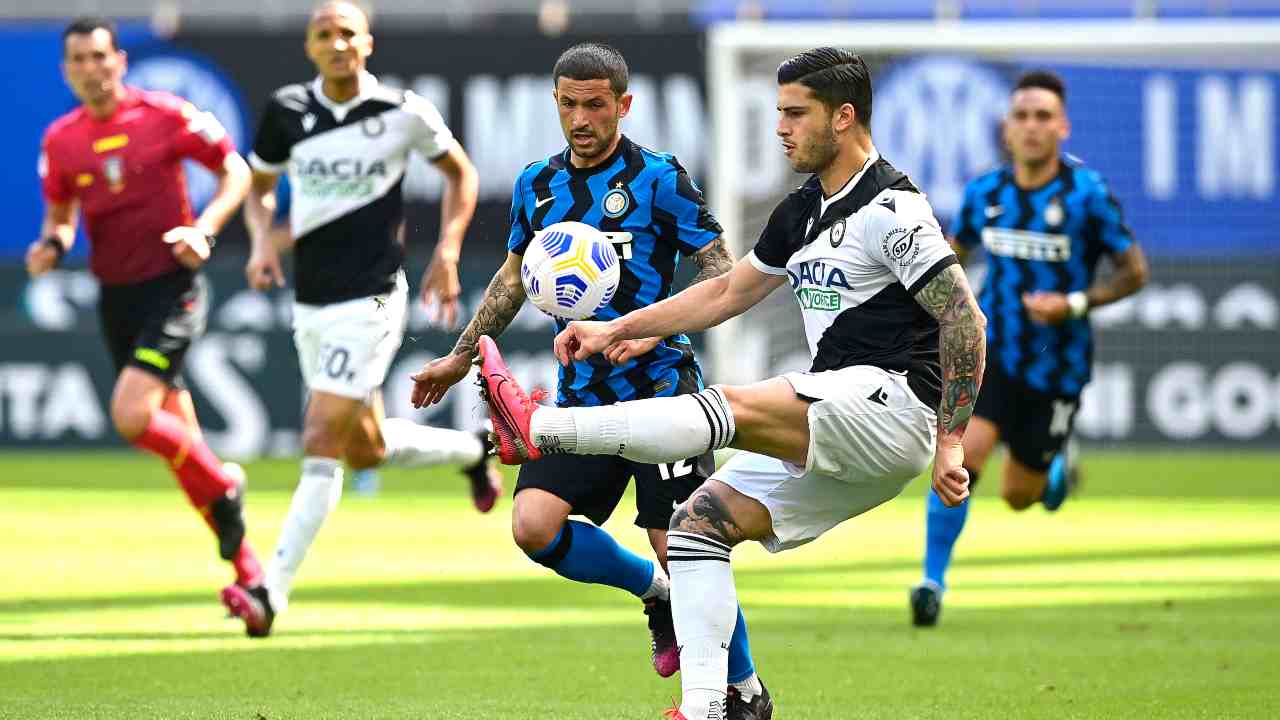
570	270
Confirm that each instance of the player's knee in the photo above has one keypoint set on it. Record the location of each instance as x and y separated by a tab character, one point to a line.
534	534
319	439
130	418
363	454
1019	497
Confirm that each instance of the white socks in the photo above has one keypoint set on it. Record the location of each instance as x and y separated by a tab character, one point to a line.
659	587
704	605
411	445
656	430
317	494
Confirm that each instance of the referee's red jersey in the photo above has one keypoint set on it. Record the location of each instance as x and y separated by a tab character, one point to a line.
126	171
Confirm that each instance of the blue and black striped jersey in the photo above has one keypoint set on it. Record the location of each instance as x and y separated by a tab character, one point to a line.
1046	239
655	214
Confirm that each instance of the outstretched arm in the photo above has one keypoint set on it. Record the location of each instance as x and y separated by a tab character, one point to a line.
502	301
963	351
697	308
713	261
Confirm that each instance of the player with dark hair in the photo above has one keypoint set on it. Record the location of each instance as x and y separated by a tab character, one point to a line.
894	332
1045	221
116	162
345	140
654	214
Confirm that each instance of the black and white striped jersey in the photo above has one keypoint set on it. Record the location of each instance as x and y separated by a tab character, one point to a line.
855	262
346	162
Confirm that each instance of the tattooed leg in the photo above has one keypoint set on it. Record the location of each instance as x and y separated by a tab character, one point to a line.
704	601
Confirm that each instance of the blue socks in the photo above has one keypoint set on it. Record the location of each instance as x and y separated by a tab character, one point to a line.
584	552
741	666
943	528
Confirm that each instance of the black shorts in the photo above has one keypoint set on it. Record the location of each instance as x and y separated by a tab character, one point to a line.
594	484
151	324
1032	423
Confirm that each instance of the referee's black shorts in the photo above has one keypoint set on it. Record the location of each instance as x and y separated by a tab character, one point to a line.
150	325
593	485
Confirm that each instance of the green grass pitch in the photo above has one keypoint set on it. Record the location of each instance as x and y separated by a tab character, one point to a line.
1156	594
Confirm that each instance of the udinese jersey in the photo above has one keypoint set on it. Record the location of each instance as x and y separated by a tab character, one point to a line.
856	261
1046	239
654	214
126	172
346	163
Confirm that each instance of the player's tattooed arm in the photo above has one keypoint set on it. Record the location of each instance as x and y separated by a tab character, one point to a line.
962	344
1131	273
502	301
713	260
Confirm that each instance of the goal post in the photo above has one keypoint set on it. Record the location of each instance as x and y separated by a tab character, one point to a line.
1179	116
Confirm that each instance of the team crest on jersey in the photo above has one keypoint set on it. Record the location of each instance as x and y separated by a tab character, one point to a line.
615	202
900	245
372	127
836	235
1053	214
113	171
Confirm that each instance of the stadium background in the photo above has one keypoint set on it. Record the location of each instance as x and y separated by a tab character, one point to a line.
1189	146
1153	594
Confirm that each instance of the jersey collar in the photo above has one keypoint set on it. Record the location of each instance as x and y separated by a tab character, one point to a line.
368	83
565	158
849	185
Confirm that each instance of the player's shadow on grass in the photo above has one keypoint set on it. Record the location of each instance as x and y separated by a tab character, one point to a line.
548	591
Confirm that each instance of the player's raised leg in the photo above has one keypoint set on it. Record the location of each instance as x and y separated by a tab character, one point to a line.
768	417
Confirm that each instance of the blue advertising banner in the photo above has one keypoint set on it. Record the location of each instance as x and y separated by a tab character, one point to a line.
1190	152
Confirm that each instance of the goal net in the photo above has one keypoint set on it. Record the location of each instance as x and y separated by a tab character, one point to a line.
1179	117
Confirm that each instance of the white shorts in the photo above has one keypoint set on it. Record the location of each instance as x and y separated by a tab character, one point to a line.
868	437
346	348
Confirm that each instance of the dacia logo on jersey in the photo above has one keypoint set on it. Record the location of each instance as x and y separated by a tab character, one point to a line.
340	169
344	177
819	274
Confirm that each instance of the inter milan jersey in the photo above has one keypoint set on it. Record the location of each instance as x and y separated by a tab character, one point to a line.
346	163
654	214
1046	239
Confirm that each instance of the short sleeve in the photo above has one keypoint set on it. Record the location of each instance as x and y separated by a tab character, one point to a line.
431	137
678	206
201	137
53	180
773	249
1107	217
903	234
967	234
521	232
271	145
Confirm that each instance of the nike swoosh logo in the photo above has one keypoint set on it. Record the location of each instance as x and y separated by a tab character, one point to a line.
543	201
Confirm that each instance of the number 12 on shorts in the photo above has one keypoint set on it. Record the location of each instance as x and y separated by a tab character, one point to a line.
668	471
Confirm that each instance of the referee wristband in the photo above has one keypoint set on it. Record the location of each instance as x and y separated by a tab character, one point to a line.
55	243
1078	302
